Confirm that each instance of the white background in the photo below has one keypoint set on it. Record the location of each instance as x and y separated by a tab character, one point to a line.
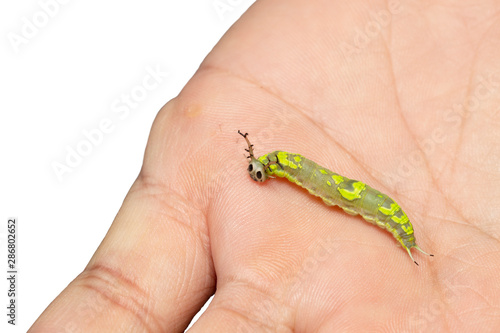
65	68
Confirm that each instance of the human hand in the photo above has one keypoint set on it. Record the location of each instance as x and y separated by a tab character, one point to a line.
409	108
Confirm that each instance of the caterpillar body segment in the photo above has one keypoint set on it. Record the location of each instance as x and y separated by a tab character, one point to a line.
353	196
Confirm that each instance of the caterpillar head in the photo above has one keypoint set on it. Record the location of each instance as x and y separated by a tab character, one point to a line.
256	169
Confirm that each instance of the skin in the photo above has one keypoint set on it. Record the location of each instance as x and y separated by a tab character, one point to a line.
390	114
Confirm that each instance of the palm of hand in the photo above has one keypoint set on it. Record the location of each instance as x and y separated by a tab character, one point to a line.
408	108
412	112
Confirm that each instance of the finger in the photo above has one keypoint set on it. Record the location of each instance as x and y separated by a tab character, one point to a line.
242	307
153	270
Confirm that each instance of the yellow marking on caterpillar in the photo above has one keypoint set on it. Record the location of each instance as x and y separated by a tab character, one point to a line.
303	172
387	211
407	228
401	220
337	179
358	187
283	157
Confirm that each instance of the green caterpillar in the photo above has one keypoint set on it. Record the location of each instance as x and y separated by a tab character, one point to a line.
353	196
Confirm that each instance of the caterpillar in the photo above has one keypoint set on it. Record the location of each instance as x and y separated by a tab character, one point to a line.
353	196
